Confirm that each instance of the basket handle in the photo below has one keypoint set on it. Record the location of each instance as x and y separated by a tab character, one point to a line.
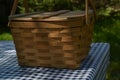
87	2
14	7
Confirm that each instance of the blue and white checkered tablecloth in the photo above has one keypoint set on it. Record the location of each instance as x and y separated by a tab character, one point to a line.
92	68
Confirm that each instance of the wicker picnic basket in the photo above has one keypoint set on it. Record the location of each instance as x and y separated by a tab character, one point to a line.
59	39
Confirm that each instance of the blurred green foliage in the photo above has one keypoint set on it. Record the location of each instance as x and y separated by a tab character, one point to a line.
107	29
52	5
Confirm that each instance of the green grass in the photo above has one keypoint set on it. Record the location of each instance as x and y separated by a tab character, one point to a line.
6	36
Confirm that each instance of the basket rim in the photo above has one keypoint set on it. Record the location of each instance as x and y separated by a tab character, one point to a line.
60	17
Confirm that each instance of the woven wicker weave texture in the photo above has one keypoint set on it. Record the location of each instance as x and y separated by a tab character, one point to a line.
60	44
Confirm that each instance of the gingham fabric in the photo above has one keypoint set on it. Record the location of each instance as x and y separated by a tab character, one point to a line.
92	68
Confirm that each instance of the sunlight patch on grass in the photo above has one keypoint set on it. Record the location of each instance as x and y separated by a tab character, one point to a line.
6	36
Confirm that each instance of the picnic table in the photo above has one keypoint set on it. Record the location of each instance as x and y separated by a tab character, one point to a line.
93	67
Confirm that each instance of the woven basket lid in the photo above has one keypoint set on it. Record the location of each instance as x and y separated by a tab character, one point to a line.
61	15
